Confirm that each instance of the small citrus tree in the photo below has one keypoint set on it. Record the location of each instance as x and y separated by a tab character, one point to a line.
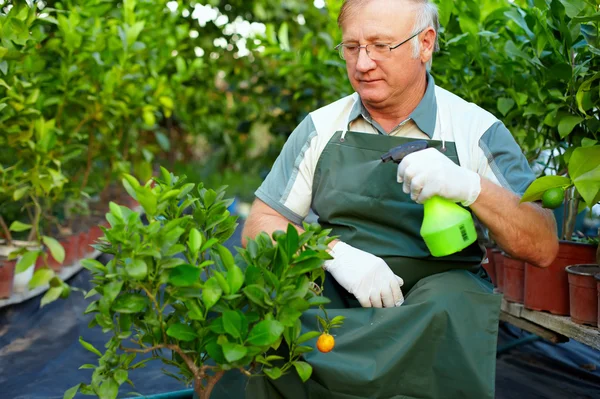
173	290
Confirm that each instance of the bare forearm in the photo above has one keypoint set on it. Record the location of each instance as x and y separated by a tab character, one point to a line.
523	230
263	218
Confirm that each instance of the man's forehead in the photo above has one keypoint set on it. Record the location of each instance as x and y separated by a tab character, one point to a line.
372	21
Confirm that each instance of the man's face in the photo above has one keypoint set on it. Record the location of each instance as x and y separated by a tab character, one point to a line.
381	83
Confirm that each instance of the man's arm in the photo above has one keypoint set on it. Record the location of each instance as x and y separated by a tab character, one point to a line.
525	231
264	218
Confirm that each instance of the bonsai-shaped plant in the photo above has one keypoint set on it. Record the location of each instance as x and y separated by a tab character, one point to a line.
578	189
174	291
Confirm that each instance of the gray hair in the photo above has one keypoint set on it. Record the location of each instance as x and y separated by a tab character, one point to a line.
427	16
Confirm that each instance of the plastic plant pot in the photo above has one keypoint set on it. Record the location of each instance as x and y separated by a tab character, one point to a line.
547	289
514	279
583	293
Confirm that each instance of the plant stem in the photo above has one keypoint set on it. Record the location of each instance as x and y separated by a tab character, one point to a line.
175	348
158	311
5	230
204	392
36	221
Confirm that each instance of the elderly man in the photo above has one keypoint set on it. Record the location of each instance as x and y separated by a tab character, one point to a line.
441	341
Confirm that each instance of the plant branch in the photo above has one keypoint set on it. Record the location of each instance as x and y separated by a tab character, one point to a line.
158	311
5	230
175	348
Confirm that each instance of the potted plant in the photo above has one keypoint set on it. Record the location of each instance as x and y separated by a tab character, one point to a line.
578	189
174	291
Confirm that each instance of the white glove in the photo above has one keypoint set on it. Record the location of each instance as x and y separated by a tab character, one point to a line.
428	173
365	276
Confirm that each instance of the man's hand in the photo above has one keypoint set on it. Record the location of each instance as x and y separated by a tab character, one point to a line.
365	276
428	173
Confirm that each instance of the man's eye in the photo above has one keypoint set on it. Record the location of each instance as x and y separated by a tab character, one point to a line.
351	47
380	46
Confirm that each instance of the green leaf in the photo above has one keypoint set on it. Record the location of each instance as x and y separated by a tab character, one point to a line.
255	293
211	293
292	240
235	279
41	277
567	123
306	266
583	160
234	352
51	295
70	393
215	351
115	210
89	347
505	105
307	337
109	389
20	193
137	269
26	261
588	185
195	240
273	373
130	303
18	226
304	370
184	275
182	332
232	323
288	316
222	282
225	256
57	250
121	376
265	332
535	191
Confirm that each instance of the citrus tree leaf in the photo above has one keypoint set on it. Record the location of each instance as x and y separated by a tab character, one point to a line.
130	303
304	370
535	191
265	332
182	332
184	275
234	352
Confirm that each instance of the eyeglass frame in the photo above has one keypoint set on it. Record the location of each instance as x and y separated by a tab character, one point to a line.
340	46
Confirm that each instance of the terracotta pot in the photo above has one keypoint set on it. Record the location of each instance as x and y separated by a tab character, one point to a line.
490	267
583	293
7	274
547	289
72	252
514	279
598	288
499	266
95	233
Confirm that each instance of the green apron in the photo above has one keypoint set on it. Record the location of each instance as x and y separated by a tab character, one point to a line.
441	343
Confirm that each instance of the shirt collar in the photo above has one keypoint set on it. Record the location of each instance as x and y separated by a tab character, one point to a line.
424	116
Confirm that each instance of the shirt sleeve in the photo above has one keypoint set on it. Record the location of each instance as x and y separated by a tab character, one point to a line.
503	161
288	186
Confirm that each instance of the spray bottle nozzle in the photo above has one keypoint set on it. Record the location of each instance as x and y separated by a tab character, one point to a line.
397	154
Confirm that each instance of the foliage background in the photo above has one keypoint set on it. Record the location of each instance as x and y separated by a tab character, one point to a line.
90	89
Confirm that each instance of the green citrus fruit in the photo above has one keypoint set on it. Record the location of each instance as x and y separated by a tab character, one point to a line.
553	197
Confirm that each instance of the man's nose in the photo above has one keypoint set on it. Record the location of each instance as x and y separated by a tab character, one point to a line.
364	63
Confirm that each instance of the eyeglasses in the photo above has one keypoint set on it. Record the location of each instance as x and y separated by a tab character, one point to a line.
375	51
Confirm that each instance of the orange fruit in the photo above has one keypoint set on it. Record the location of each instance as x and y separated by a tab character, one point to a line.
553	197
325	343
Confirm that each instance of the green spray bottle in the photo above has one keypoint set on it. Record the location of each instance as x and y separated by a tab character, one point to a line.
447	227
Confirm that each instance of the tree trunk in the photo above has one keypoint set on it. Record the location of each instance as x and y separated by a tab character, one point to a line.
211	381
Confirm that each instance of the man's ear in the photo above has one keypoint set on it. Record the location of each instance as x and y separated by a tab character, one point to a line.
427	44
